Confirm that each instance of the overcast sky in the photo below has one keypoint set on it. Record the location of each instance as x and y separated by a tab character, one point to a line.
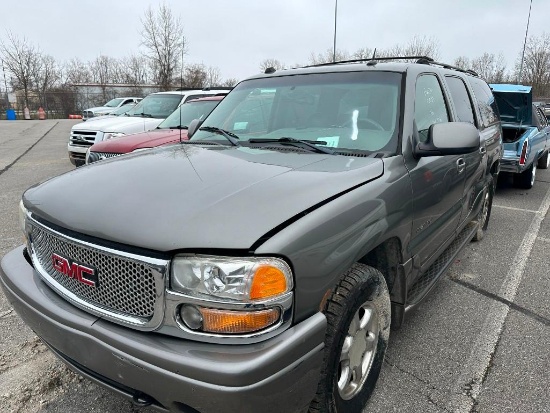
237	35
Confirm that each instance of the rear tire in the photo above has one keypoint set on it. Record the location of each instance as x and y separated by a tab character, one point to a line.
544	161
485	213
526	179
358	326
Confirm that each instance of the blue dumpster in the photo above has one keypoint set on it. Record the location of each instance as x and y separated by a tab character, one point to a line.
10	114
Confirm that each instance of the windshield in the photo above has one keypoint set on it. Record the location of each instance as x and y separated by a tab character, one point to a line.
123	109
187	112
113	103
351	110
156	106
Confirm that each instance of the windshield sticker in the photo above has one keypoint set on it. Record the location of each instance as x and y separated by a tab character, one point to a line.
240	125
332	141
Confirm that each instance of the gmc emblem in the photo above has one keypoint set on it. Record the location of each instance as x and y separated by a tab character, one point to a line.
80	272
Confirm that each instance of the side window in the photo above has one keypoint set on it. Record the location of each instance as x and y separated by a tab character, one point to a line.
429	107
486	101
542	119
191	97
461	99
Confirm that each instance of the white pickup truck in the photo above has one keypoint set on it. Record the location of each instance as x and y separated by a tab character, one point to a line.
145	116
108	107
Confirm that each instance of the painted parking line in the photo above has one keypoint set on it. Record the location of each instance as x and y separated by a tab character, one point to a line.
472	377
514	209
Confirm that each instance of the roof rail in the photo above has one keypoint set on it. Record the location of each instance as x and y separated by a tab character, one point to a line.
370	59
447	66
425	60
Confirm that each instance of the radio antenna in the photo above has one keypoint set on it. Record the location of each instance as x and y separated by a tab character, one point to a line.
181	82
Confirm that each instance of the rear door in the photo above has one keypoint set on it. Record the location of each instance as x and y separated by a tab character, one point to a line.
475	162
437	181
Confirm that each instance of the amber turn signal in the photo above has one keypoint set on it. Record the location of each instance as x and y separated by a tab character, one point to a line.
237	322
267	282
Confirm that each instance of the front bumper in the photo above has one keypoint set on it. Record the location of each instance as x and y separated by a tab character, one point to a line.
277	375
77	154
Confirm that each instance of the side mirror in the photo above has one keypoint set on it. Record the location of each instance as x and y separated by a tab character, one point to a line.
193	127
449	138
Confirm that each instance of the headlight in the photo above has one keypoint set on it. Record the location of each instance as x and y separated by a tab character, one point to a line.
262	284
243	279
22	217
112	135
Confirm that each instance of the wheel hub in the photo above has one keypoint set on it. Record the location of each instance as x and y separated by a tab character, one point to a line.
358	351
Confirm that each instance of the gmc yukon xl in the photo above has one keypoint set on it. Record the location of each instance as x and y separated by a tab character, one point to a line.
259	266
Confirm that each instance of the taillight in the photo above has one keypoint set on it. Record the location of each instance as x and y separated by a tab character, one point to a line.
523	154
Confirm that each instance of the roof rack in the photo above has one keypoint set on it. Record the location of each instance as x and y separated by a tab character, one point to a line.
426	60
370	59
205	89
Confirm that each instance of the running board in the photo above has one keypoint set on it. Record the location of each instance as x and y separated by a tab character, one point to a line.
427	280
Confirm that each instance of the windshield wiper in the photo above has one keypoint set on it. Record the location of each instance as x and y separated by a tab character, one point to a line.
230	136
143	115
297	142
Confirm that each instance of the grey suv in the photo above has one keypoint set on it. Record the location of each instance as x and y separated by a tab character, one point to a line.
260	265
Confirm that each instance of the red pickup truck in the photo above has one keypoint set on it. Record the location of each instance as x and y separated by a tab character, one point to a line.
169	131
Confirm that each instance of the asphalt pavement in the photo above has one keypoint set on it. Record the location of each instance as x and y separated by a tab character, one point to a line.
479	343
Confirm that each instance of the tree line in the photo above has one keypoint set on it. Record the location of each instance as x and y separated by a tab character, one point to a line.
43	80
489	66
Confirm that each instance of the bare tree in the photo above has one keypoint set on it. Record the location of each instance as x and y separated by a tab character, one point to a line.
162	36
195	76
22	60
328	56
45	78
134	70
274	63
422	46
232	81
104	72
490	67
536	66
76	71
213	76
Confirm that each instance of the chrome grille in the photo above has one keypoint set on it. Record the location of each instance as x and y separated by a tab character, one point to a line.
130	291
83	138
99	156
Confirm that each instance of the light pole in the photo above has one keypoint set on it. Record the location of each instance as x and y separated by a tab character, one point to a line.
524	43
334	46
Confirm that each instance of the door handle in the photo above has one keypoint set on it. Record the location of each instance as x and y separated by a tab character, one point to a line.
460	165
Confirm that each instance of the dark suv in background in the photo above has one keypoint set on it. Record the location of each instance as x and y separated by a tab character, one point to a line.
259	266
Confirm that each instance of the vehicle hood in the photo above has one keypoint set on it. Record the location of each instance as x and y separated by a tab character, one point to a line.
98	108
119	124
514	103
188	197
103	109
149	139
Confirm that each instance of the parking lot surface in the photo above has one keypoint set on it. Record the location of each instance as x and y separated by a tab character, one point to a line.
479	343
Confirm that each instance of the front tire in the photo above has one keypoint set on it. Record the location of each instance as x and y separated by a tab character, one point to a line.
358	326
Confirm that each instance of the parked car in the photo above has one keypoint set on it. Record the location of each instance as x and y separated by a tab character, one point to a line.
145	116
117	112
525	133
108	107
169	131
259	266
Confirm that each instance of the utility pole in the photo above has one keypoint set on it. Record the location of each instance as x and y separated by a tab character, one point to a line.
335	16
5	85
524	44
